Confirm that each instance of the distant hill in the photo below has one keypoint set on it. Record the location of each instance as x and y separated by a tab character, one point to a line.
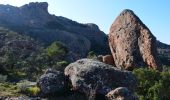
34	20
164	52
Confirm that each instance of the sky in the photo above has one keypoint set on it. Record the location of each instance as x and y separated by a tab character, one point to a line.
155	14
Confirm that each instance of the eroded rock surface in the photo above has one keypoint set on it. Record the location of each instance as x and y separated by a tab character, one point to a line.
108	59
87	74
52	82
121	93
132	44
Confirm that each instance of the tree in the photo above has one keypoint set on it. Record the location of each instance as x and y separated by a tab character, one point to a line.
91	55
56	49
152	85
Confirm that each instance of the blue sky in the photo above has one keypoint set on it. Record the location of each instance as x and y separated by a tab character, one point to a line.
154	13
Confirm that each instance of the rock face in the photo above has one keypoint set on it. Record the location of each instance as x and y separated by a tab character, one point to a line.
121	93
87	74
34	20
52	82
131	43
164	53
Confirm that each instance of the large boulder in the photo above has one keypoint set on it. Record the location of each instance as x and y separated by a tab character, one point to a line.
132	44
121	93
52	82
91	75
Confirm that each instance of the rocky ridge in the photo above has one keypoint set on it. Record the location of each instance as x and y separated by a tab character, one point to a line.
34	20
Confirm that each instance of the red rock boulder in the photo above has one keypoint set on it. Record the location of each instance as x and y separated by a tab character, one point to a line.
132	44
108	59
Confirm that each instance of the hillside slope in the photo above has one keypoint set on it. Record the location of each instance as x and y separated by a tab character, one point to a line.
34	20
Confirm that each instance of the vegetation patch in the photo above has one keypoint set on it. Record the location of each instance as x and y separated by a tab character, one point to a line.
8	89
152	85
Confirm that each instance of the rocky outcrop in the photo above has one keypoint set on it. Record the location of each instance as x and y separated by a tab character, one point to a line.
121	93
132	44
52	82
33	19
87	74
38	6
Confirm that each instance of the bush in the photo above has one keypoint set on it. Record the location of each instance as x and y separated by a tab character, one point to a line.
23	85
91	55
152	85
8	89
56	49
61	65
33	91
3	78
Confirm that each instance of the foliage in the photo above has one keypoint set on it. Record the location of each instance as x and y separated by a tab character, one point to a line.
55	53
3	78
23	85
91	55
33	91
56	48
8	89
21	57
166	69
152	85
61	65
16	76
17	53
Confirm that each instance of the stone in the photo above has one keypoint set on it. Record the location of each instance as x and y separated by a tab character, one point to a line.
121	93
88	75
132	44
52	82
108	59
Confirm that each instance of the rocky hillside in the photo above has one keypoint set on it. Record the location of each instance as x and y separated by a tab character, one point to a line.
37	47
16	51
34	20
164	53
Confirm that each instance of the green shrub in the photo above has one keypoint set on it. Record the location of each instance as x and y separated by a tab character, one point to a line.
56	48
152	85
3	78
91	55
61	65
33	91
8	89
23	85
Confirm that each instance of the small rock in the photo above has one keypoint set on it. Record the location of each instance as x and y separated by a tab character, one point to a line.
108	59
121	93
